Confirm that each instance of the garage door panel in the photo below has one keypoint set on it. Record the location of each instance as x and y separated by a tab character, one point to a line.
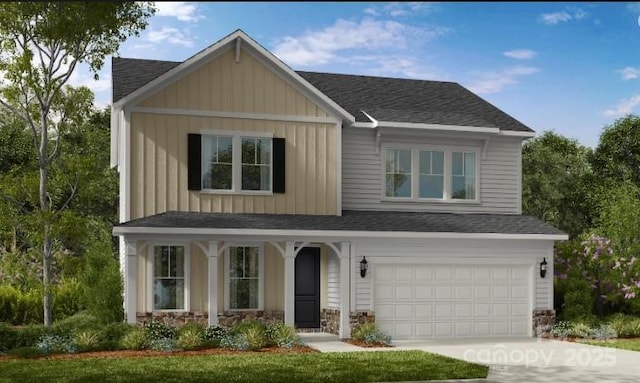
426	301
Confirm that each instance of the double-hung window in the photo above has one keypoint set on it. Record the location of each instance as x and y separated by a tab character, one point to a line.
169	276
244	278
445	174
236	162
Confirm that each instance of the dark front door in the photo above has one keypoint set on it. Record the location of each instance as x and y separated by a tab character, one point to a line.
308	288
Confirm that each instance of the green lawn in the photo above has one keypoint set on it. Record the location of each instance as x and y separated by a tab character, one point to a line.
625	344
371	366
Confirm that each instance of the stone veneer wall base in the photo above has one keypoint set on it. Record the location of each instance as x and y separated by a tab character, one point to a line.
543	321
226	318
330	320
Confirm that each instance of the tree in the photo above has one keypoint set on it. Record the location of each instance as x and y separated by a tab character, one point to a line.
617	156
557	182
41	44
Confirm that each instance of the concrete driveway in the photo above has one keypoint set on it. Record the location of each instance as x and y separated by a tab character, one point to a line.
537	360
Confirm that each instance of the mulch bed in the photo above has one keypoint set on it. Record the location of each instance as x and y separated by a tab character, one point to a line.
149	353
360	343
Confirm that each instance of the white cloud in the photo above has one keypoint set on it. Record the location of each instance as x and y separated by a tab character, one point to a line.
520	54
396	66
181	10
494	82
570	13
171	35
629	73
399	9
321	47
624	107
555	18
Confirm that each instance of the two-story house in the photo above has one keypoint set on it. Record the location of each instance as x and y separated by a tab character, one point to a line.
248	189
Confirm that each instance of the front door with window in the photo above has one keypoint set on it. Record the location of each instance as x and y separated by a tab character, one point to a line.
307	288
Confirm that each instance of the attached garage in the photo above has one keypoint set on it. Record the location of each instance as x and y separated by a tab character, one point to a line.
449	300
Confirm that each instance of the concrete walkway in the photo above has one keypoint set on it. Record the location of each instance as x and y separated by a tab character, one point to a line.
517	360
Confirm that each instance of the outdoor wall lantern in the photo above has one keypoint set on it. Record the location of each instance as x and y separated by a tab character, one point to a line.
363	267
543	268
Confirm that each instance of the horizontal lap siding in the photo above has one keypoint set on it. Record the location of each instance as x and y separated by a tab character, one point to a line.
333	281
362	175
456	252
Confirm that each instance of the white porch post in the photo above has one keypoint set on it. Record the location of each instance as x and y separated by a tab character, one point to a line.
212	258
345	291
131	274
289	284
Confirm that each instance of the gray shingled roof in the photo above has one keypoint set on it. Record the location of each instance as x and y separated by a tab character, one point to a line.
383	98
353	221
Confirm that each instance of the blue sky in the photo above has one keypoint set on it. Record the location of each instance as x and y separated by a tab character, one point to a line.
569	67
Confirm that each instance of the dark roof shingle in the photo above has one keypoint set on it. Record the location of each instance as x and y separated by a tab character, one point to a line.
383	98
375	221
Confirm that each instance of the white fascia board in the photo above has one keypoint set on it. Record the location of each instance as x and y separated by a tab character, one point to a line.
514	133
132	230
114	135
451	128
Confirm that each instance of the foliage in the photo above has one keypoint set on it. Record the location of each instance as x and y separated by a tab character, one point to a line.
19	308
101	277
26	352
370	334
604	331
81	321
590	263
190	338
235	341
213	335
55	344
162	344
281	335
580	330
625	326
87	340
561	329
135	339
617	156
557	182
156	330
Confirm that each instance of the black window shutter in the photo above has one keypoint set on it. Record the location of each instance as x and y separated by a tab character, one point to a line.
279	165
194	162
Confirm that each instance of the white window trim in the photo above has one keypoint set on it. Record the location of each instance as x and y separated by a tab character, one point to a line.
415	173
236	161
187	275
227	279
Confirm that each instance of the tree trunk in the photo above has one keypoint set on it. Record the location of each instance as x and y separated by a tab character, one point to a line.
46	275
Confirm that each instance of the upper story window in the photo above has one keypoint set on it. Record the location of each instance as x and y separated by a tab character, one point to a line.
424	174
236	162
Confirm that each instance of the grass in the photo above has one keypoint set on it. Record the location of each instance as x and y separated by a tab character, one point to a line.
376	366
625	344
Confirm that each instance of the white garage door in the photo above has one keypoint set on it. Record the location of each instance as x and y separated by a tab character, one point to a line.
428	301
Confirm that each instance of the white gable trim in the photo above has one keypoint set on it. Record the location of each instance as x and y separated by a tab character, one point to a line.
440	127
216	49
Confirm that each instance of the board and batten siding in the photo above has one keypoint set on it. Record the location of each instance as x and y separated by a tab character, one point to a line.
159	167
461	252
223	85
362	172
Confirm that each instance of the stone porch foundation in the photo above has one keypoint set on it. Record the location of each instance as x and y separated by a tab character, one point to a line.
543	321
226	318
330	320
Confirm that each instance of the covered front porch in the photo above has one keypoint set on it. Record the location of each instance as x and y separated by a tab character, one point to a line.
225	279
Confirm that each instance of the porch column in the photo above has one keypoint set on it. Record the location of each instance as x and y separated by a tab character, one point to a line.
345	290
289	284
212	257
131	275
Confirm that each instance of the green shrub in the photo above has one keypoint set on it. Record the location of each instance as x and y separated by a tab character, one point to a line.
370	334
86	340
135	339
604	331
114	332
255	338
102	295
162	344
578	299
580	330
237	342
190	338
281	335
79	322
242	327
20	308
561	329
28	336
26	352
66	298
8	337
157	330
213	335
626	326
